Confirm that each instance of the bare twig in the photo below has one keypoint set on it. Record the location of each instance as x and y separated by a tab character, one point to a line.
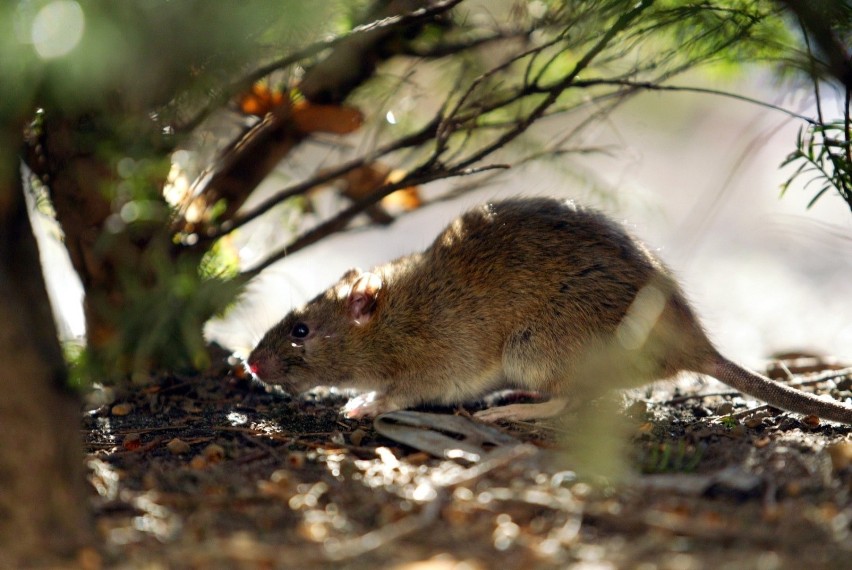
431	169
248	160
343	218
317	48
414	139
653	86
816	19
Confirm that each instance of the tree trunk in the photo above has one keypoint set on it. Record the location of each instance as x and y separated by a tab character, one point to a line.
42	495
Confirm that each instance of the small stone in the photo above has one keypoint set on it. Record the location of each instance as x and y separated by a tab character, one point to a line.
177	446
762	442
198	463
725	409
841	455
753	423
811	421
357	436
214	453
132	441
121	409
296	459
738	431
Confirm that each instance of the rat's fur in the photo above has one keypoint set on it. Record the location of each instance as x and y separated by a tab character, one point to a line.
535	293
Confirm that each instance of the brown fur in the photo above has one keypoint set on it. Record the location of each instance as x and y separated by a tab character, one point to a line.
535	293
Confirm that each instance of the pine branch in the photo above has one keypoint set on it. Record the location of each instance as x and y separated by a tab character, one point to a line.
342	219
250	159
433	169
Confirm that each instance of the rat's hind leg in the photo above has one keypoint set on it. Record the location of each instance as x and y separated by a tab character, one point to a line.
535	362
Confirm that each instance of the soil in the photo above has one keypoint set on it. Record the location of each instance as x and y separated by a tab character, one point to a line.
216	471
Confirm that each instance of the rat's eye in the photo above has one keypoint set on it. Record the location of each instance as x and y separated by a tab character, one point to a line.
300	330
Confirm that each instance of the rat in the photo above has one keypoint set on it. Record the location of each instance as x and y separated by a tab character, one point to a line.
535	293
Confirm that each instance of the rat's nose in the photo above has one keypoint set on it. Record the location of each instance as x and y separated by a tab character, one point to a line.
253	367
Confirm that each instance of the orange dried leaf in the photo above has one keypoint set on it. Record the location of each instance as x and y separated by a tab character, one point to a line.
132	442
363	181
260	100
335	119
121	409
405	200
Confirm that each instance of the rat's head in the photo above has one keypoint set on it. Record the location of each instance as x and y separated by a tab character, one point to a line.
312	346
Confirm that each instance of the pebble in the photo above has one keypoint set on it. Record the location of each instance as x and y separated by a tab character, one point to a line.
753	423
811	421
357	436
841	455
214	453
131	441
121	409
177	446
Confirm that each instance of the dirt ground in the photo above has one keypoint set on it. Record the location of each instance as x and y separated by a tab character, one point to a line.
214	471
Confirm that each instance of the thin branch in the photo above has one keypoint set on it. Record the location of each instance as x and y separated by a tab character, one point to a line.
431	168
251	157
314	49
847	123
342	219
818	22
522	125
651	86
449	49
415	139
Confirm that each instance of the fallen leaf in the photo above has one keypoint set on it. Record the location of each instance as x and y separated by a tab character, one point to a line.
335	119
260	100
177	446
121	409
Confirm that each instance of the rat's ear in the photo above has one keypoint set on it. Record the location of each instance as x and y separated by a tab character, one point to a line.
351	274
362	298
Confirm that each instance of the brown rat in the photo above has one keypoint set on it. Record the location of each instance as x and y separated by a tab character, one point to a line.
530	292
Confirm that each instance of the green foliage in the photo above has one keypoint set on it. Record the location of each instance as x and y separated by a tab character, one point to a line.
162	327
729	422
671	457
823	156
75	357
121	45
221	261
729	31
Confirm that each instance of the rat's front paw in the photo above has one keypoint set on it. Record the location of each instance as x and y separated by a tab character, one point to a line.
367	405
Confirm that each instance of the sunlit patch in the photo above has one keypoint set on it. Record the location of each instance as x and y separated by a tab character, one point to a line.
57	28
237	418
308	496
157	520
104	479
151	518
177	187
462	454
454	233
420	493
641	317
506	533
266	427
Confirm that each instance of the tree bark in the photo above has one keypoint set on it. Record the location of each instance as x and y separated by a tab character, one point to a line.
42	495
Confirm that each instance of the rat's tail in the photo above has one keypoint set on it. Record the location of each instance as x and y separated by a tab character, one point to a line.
775	393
